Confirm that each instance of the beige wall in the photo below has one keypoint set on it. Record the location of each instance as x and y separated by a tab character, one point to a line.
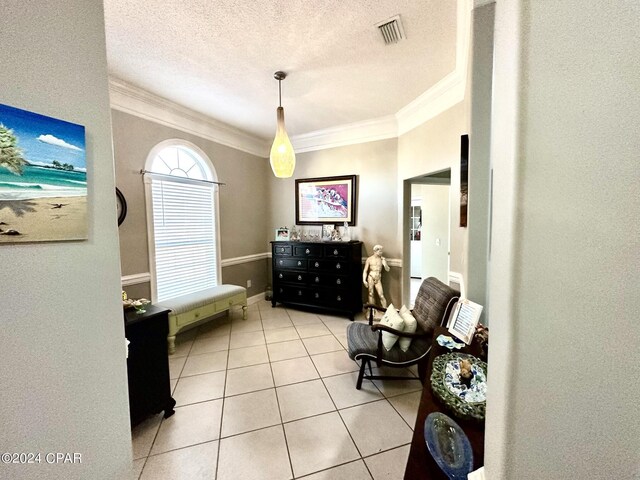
375	163
565	270
243	200
64	384
432	147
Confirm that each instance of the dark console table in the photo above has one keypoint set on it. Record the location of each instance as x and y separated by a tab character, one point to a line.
148	363
320	275
420	464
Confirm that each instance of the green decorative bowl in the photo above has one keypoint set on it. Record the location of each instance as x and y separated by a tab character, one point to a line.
467	403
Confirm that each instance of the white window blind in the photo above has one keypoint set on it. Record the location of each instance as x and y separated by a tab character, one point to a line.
185	236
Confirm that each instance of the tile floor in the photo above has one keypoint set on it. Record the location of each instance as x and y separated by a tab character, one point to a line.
273	397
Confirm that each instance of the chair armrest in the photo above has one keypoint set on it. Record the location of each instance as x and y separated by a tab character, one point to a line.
371	308
371	305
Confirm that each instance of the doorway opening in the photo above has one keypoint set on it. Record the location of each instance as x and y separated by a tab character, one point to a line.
426	214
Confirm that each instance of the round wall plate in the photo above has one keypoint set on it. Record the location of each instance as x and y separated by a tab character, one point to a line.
122	206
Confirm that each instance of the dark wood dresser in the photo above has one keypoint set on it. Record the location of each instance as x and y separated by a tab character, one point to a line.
321	275
148	363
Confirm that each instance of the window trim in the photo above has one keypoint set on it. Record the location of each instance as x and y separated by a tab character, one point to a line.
212	175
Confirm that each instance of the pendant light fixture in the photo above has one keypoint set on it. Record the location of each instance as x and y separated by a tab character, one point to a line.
283	158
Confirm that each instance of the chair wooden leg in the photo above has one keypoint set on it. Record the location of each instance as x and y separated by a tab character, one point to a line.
363	365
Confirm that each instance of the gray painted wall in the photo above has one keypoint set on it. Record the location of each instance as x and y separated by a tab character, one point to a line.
63	353
565	270
243	200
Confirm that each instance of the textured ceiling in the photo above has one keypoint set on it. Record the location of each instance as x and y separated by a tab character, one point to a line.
217	57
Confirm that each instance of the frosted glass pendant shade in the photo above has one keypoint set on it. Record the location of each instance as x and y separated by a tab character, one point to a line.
283	158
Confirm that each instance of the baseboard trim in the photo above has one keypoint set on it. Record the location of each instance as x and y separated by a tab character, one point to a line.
459	279
255	298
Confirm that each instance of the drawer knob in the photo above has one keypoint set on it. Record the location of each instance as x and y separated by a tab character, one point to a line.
339	298
339	282
317	295
317	279
299	263
280	275
281	290
299	277
282	249
197	314
335	252
338	266
307	251
316	264
281	262
299	293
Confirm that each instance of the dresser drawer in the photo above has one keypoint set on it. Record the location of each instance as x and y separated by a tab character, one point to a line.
336	251
282	250
307	250
290	293
338	266
326	280
293	263
292	277
329	297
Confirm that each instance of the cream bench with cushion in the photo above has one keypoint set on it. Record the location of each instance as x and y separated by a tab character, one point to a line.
189	309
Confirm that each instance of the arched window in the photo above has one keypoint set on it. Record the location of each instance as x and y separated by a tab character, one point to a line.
182	220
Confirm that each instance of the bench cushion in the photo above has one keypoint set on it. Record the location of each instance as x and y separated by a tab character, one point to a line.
199	299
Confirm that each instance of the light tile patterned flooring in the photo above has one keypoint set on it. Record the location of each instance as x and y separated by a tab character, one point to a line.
274	397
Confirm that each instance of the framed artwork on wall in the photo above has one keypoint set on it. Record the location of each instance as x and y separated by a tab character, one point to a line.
43	178
326	200
464	178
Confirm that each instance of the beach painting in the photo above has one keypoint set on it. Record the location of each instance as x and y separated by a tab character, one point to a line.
43	178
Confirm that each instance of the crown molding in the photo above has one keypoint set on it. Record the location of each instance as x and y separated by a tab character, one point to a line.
443	95
349	134
451	89
141	103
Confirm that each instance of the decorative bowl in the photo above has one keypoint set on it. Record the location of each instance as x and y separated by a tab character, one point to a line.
464	402
448	445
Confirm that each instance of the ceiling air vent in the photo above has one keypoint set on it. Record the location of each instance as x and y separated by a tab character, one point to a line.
391	30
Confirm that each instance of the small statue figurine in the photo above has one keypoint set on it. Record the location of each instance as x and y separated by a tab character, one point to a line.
372	274
465	372
345	232
295	236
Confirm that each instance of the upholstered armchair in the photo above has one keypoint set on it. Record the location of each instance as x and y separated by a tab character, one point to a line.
432	308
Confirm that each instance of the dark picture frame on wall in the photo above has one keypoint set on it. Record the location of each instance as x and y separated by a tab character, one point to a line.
464	178
326	200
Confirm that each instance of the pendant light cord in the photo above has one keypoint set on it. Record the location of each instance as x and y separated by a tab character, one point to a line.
280	92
